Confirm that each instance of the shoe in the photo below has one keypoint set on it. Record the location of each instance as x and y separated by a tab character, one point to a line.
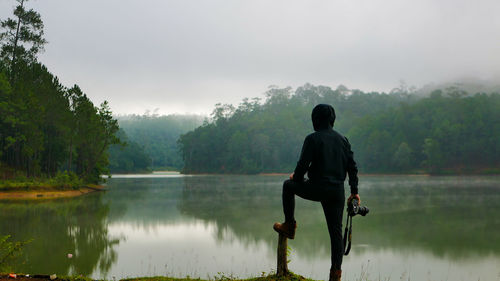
286	228
335	274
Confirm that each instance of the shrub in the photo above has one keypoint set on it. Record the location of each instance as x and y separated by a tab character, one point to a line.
9	251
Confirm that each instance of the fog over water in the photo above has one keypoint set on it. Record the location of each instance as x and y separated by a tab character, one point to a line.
185	56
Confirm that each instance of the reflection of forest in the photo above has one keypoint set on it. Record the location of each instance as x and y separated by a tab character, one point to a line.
248	206
58	227
448	216
144	202
443	215
453	217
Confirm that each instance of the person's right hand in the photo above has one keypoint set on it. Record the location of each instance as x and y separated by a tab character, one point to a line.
291	176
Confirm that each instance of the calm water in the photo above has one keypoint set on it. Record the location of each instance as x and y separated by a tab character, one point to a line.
418	228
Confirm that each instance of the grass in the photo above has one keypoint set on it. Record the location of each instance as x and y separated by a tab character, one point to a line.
63	184
61	181
73	278
271	277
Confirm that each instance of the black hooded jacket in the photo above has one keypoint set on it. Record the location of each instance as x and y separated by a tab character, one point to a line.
326	155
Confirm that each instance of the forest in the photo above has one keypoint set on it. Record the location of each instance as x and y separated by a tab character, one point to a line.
446	131
149	142
46	128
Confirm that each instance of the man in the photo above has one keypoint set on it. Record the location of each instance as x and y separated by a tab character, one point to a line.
326	157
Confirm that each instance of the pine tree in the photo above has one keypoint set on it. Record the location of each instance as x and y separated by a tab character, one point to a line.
21	37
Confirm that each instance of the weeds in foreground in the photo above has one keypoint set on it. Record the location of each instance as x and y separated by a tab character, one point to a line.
9	251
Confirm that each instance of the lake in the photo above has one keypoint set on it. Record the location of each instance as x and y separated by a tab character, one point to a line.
418	228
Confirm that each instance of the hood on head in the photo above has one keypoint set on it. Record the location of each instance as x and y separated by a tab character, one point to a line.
323	117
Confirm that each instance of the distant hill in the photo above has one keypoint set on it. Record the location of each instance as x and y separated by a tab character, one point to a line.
157	136
469	85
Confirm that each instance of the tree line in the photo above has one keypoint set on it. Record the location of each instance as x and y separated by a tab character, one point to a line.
446	131
46	127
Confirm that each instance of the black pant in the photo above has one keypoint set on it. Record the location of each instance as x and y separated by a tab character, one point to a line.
332	199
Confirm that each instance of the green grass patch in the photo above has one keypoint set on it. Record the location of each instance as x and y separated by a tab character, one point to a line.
61	181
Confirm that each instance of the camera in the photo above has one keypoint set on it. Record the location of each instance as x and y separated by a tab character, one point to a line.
353	208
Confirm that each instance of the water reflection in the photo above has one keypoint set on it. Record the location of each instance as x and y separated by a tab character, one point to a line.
246	205
202	225
452	217
77	226
149	202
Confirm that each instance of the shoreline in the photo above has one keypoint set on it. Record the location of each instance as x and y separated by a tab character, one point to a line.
287	174
359	174
52	193
271	277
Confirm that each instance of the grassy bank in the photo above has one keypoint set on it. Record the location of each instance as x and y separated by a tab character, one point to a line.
15	185
41	185
50	193
22	277
291	277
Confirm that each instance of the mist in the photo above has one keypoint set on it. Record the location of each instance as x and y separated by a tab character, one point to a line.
184	57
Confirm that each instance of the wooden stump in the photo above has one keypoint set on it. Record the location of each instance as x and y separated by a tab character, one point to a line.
282	258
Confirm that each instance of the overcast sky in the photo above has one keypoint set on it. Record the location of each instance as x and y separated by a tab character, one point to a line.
184	56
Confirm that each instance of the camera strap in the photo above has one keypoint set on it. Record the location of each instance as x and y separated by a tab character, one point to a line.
348	235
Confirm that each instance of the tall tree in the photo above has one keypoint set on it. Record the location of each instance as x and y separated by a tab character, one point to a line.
42	123
22	37
95	130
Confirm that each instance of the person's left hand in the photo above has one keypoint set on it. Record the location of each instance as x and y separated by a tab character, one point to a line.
354	196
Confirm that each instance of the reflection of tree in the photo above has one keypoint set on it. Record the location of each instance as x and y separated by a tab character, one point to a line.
449	216
445	216
148	201
248	206
77	226
232	202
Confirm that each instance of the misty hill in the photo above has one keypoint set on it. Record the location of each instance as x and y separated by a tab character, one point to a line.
398	132
267	136
128	156
467	85
151	138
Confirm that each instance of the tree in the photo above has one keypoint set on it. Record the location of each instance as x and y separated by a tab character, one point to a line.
434	157
42	123
95	131
22	37
402	157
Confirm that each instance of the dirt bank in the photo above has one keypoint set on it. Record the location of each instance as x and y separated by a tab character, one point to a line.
48	194
5	277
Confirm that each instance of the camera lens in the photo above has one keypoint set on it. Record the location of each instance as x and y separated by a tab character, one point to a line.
363	211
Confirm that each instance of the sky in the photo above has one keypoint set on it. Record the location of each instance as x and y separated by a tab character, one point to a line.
185	56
